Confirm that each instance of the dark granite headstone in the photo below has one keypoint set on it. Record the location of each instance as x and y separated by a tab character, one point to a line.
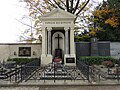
58	53
104	48
99	48
94	47
82	49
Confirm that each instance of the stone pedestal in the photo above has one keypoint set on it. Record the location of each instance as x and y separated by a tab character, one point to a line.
70	59
46	59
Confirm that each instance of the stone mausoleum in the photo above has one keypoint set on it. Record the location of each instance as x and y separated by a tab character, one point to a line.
58	37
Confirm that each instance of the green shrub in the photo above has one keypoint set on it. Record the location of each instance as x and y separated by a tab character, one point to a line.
91	60
22	60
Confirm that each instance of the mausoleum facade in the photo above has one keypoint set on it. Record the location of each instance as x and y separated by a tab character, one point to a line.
58	37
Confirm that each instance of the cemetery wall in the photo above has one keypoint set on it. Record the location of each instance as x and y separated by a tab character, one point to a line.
11	50
4	52
115	49
105	48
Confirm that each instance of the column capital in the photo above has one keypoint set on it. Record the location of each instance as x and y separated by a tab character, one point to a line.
72	28
49	28
66	28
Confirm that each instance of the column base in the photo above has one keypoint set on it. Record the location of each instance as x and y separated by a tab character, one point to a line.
70	59
46	59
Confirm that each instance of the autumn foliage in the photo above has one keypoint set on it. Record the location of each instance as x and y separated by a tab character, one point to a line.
107	15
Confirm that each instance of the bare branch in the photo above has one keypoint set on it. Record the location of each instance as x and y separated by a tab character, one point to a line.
67	5
71	8
63	3
35	8
52	4
58	5
83	7
76	6
25	24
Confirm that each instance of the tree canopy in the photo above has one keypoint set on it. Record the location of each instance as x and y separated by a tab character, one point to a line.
107	18
105	22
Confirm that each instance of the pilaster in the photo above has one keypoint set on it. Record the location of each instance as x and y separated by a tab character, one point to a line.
72	45
43	42
66	40
49	40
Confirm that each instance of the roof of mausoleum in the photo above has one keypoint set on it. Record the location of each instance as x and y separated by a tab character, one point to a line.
58	13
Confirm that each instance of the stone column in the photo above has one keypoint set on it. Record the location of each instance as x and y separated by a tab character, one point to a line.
66	41
49	40
43	42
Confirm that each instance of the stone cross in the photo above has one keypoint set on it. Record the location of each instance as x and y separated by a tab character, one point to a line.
58	37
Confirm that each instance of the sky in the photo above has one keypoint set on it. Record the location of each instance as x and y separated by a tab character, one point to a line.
10	28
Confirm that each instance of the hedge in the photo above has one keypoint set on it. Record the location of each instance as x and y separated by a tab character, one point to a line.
97	60
22	60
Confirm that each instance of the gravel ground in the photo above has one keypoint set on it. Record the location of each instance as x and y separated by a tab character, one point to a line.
51	87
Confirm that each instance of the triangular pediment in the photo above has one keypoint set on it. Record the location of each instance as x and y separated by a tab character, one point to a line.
58	13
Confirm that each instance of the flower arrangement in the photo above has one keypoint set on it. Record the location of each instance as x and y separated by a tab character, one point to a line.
57	59
107	63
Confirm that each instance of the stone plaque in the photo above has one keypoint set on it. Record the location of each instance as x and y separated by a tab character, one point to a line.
24	51
70	60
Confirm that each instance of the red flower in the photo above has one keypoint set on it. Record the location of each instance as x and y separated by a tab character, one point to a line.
107	63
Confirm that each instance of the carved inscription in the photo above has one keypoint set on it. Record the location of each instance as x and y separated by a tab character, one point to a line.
57	22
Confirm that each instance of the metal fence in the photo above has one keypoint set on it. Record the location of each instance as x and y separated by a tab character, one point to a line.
84	68
93	73
56	71
17	73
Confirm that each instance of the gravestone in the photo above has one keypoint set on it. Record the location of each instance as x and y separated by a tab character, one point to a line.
86	49
58	37
104	48
94	47
82	49
58	53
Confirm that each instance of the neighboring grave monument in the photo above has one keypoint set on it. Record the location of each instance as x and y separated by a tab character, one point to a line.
94	47
58	37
